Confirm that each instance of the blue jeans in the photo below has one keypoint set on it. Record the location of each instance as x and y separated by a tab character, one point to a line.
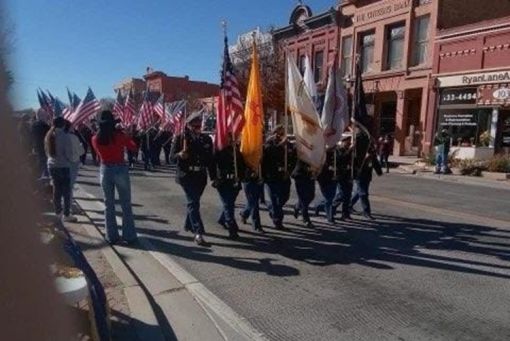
362	188
345	186
328	189
194	186
253	191
441	162
75	167
228	195
60	177
305	188
117	177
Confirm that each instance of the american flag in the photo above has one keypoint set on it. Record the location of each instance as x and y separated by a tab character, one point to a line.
146	117
118	108
159	107
129	110
45	102
230	117
174	115
59	108
87	108
76	101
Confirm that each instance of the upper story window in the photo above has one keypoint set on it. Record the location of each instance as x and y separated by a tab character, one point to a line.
395	36
346	62
318	65
420	40
302	64
367	43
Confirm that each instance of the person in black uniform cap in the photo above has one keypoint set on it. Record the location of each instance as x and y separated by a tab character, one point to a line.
193	154
344	177
226	181
253	186
275	173
364	177
304	181
327	180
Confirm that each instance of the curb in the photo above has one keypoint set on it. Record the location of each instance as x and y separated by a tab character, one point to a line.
142	314
229	324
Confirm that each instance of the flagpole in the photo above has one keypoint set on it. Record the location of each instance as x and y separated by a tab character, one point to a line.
286	117
233	142
353	120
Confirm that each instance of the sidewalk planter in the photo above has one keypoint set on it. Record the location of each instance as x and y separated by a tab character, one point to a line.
477	153
496	176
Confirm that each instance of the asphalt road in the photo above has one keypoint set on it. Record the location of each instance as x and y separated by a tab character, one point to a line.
434	266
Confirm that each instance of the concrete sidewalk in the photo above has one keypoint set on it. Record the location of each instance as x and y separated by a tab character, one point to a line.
167	307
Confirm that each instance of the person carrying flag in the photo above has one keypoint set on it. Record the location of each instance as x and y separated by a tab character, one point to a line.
275	174
226	181
192	151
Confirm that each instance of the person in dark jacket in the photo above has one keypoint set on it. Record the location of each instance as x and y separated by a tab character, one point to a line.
226	181
39	129
383	151
363	179
327	180
275	165
442	144
304	181
253	186
193	154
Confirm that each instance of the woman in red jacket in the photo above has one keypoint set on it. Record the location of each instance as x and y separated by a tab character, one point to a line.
110	145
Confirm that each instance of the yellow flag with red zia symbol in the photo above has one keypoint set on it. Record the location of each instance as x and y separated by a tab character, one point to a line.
252	133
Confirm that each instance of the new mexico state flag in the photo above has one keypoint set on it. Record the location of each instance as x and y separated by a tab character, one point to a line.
251	136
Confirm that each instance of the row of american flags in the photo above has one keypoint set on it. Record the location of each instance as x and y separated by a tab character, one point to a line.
169	116
153	110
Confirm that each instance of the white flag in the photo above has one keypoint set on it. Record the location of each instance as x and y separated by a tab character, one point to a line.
308	130
310	82
335	115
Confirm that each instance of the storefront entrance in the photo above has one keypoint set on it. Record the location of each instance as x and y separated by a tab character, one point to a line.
502	144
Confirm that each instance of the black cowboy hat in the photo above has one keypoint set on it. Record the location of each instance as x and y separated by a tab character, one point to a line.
106	117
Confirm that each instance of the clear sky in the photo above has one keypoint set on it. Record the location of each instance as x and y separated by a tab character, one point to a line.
97	43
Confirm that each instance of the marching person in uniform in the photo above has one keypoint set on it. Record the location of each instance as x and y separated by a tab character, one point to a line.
193	154
344	178
253	189
327	180
275	174
363	179
226	181
304	180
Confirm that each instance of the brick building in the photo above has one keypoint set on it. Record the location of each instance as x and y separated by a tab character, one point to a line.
472	92
395	41
315	36
177	88
136	85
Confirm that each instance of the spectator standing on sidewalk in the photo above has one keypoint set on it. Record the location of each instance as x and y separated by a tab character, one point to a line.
442	144
59	152
39	130
383	151
77	152
110	144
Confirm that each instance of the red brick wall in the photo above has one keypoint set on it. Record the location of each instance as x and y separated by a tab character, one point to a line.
485	47
453	13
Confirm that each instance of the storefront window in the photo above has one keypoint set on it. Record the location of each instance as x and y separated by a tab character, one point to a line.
395	42
466	127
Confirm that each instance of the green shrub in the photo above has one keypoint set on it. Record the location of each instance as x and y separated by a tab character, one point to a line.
499	163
